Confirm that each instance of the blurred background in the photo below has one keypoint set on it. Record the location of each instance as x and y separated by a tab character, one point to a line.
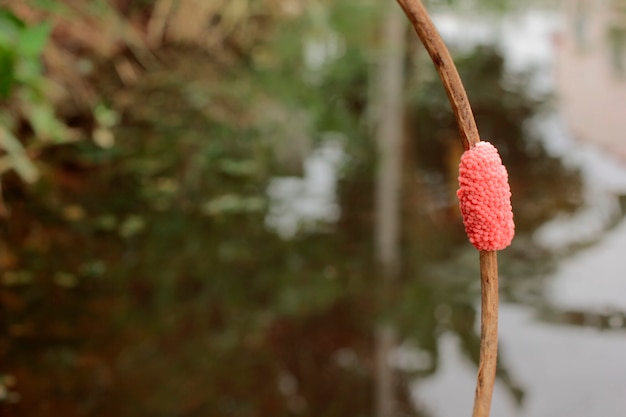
247	208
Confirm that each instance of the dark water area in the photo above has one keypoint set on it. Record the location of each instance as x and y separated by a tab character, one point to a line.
180	273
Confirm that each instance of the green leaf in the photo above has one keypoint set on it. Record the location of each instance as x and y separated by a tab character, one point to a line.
65	279
131	226
47	127
7	71
19	159
105	116
33	39
238	168
233	204
28	71
10	26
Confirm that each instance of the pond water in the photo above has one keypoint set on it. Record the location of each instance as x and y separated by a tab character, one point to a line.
565	352
151	301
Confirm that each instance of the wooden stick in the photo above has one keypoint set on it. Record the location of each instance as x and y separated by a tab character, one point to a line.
423	25
417	14
488	333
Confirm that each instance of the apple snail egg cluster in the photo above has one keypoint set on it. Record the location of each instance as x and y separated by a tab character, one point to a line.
485	198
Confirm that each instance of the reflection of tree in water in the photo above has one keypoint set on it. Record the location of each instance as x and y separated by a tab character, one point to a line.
152	297
541	187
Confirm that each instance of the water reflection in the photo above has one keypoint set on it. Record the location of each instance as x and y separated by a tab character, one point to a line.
580	284
298	203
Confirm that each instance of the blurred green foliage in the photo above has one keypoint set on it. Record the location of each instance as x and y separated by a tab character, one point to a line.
21	76
20	52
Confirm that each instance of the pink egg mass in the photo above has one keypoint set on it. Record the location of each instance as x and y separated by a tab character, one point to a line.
485	198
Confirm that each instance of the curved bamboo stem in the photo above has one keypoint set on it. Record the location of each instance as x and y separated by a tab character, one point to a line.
417	14
423	25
